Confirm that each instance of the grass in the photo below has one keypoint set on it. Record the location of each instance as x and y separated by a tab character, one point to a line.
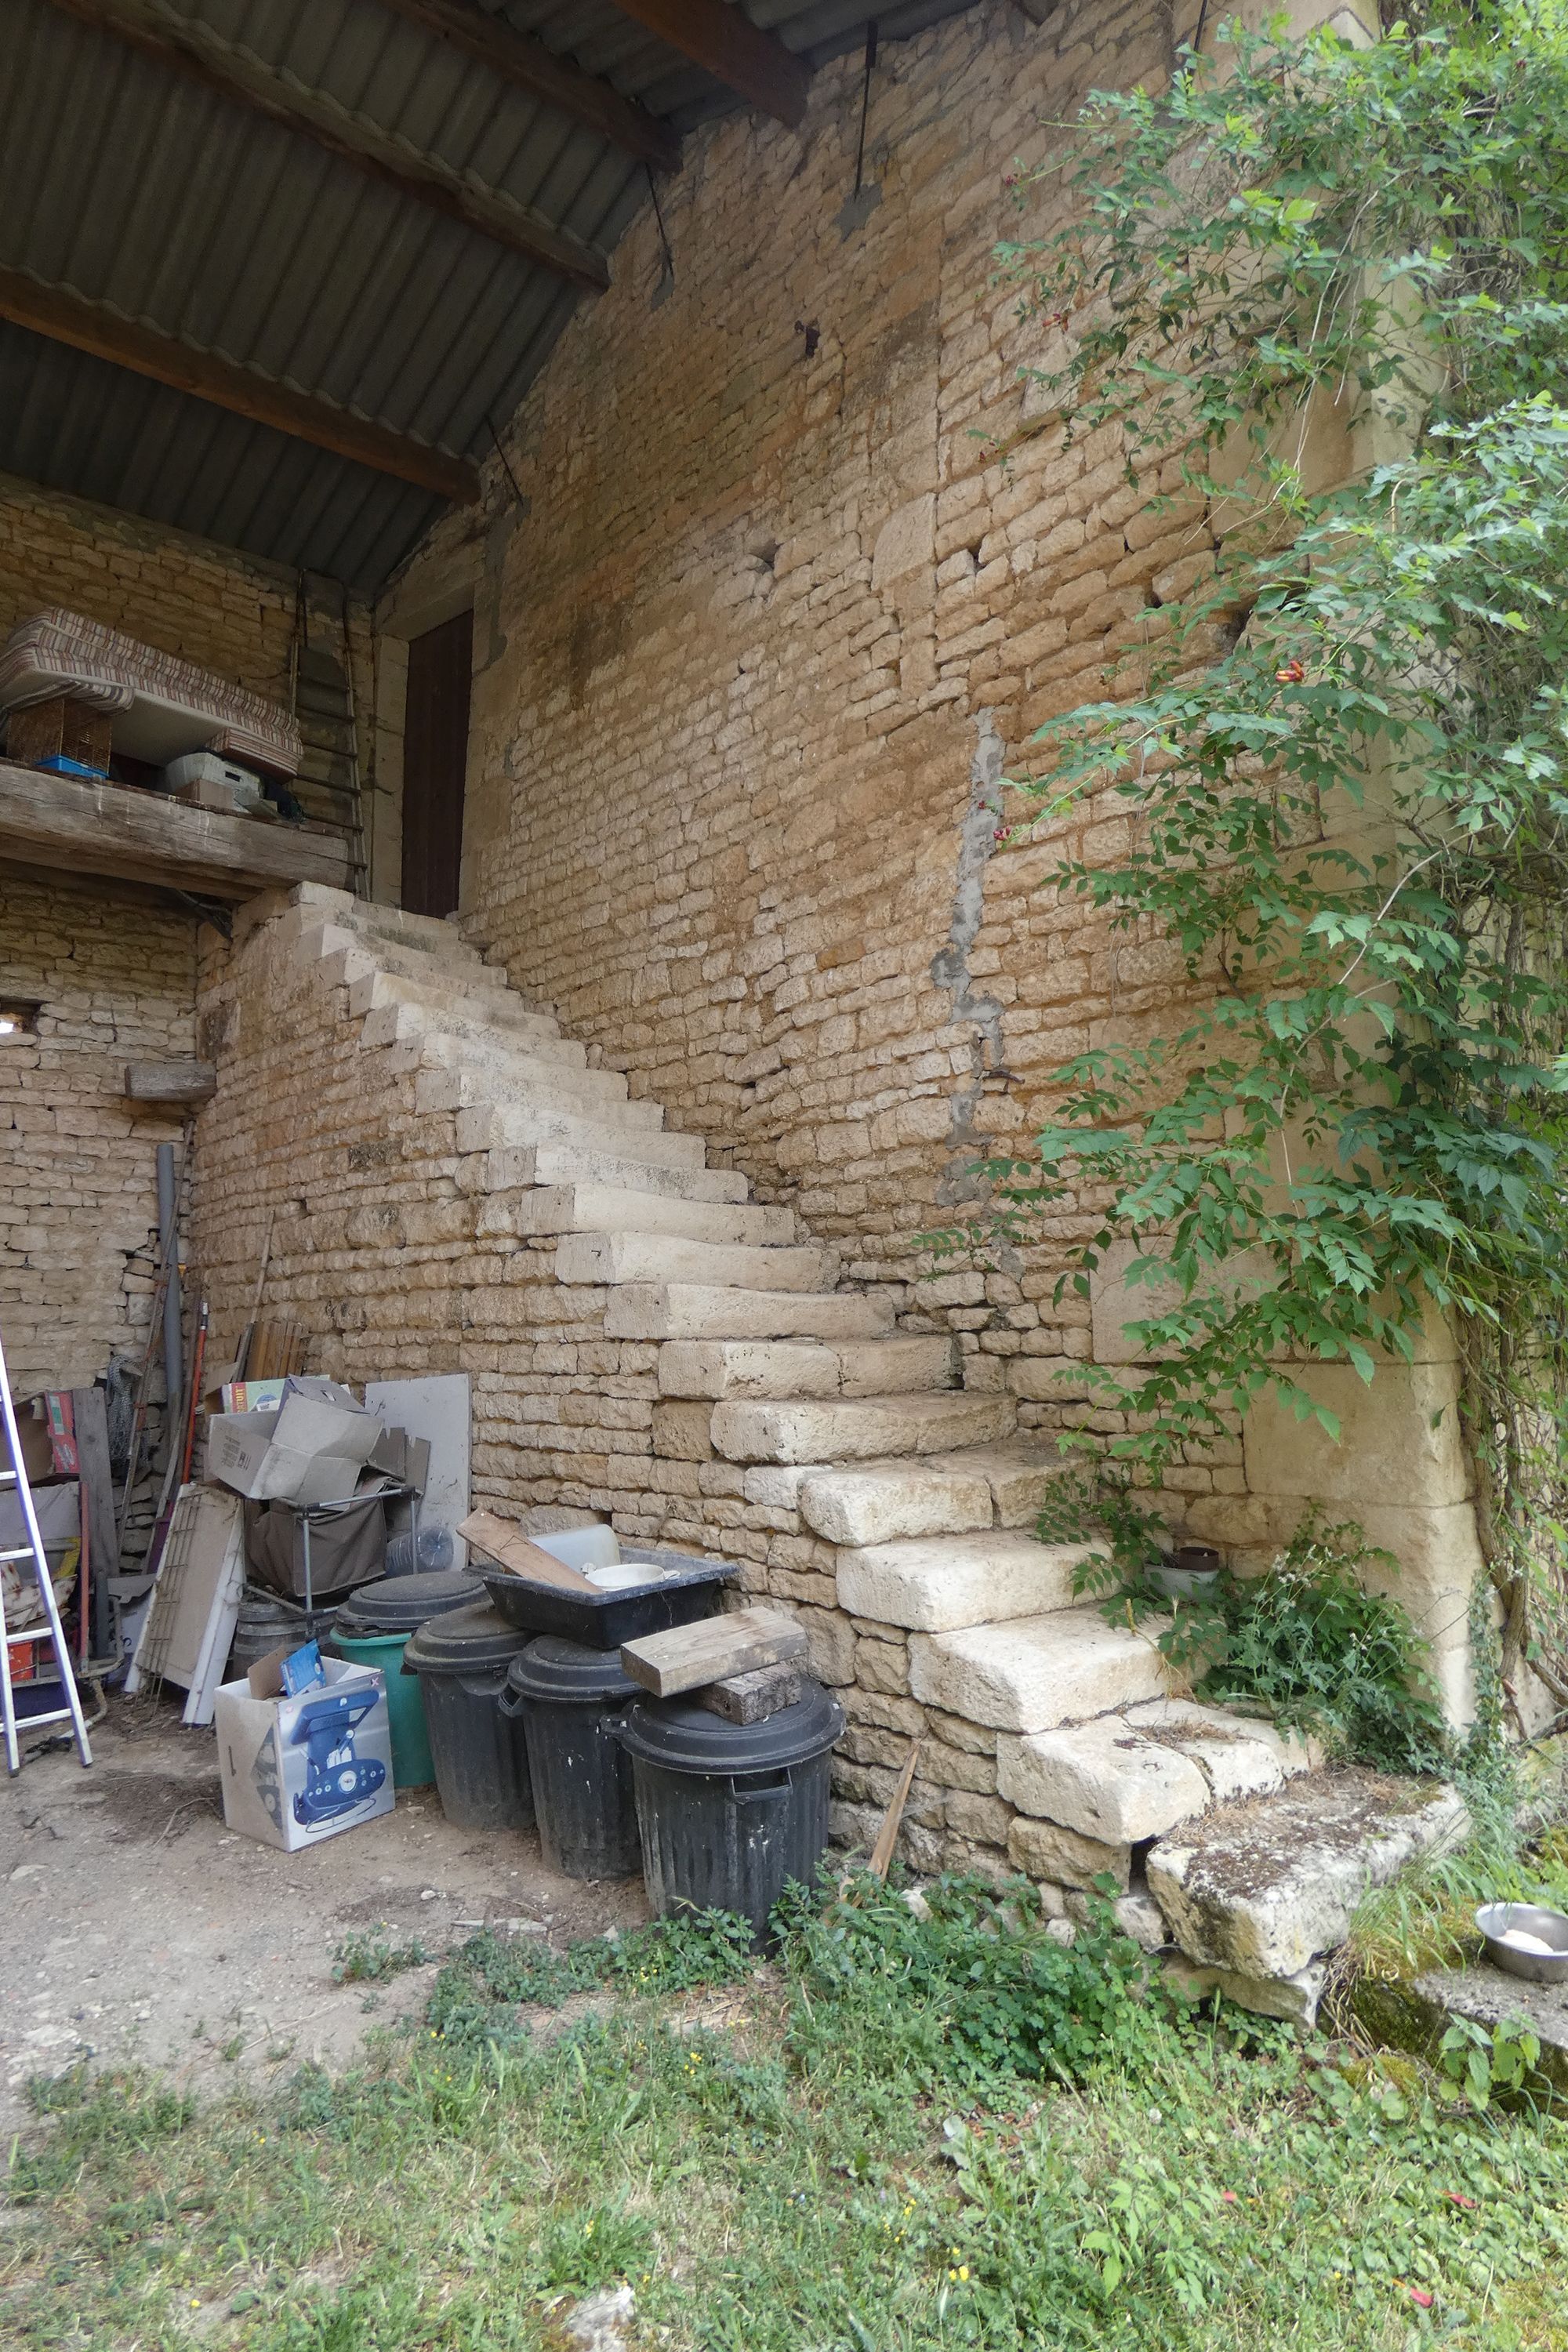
1426	1917
910	2134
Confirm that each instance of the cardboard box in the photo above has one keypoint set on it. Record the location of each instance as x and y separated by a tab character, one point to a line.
309	1451
296	1770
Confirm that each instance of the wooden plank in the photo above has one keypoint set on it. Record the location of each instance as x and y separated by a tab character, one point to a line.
723	40
90	1420
170	1082
888	1835
503	1541
753	1697
525	62
80	828
187	46
688	1657
66	318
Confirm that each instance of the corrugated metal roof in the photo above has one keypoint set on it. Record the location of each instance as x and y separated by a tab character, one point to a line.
130	184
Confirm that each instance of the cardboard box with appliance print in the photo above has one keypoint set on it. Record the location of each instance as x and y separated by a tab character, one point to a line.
296	1770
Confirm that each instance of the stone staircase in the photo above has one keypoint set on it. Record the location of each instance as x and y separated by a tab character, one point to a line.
834	1444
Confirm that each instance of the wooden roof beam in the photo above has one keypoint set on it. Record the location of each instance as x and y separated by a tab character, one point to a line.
523	60
186	45
67	317
718	35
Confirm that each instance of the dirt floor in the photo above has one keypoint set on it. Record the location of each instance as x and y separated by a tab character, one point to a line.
136	1926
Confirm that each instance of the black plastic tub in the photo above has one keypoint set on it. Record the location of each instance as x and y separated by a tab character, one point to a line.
462	1660
729	1813
603	1622
570	1700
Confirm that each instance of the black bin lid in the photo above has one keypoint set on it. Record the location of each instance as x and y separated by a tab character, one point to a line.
566	1673
475	1639
681	1738
397	1604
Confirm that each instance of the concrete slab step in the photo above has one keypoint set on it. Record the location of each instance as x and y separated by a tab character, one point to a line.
1034	1672
1265	1888
690	1311
492	1127
557	1166
618	1258
942	1493
606	1208
935	1584
725	1368
859	1430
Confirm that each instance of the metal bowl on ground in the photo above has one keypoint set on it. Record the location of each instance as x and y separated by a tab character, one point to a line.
1499	1922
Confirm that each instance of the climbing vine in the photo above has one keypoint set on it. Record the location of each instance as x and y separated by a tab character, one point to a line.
1317	298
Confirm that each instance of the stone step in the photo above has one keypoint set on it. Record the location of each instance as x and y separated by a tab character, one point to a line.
369	916
1263	1890
1131	1776
935	1584
724	1368
609	1208
942	1494
395	1011
1035	1673
494	1074
687	1310
853	1430
509	1168
670	1257
479	1081
349	955
493	1126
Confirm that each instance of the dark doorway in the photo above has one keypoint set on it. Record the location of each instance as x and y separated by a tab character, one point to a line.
435	755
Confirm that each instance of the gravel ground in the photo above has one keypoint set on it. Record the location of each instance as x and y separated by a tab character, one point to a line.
137	1926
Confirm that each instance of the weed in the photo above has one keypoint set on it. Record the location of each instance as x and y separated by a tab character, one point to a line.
1482	2061
370	1954
482	1987
920	2136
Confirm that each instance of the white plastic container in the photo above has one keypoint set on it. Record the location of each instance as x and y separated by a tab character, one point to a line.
580	1547
205	771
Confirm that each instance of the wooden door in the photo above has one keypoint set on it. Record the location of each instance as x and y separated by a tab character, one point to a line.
435	756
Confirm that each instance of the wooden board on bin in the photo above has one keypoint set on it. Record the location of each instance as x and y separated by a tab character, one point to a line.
688	1657
503	1541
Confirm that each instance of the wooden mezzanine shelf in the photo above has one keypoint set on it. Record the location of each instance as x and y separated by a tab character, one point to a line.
74	828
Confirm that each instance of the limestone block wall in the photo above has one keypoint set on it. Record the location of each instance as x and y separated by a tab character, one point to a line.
800	568
110	968
108	979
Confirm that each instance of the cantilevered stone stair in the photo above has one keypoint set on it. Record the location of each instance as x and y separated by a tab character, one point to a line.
842	1431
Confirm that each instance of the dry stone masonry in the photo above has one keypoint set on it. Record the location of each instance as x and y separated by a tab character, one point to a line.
454	1183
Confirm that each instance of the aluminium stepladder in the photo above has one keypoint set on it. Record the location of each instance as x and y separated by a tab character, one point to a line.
16	1476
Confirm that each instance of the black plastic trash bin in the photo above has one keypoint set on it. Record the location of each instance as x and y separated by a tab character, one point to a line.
730	1812
570	1700
462	1660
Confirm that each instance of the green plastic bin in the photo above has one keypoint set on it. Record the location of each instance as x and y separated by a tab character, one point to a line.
374	1626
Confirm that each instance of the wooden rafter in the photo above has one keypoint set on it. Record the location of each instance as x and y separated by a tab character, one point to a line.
190	48
721	38
67	317
525	62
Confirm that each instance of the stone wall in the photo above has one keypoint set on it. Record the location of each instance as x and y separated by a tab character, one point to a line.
110	968
110	978
801	568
